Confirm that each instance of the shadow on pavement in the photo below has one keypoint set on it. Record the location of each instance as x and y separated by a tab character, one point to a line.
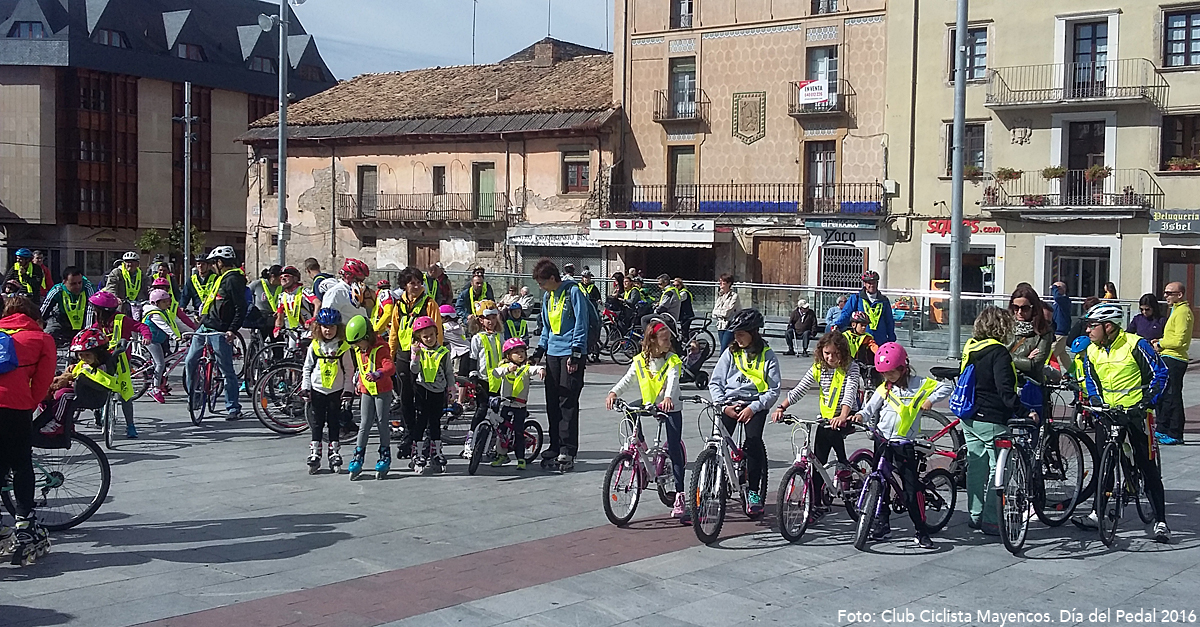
17	616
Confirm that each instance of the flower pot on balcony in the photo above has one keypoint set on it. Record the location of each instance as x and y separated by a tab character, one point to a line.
990	196
1034	200
1054	172
1183	164
1003	175
972	172
1097	173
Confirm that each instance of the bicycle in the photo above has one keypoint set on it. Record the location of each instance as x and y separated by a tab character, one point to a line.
145	370
289	348
637	466
277	402
488	435
70	484
202	398
1077	420
795	501
719	470
936	492
624	347
1120	479
701	333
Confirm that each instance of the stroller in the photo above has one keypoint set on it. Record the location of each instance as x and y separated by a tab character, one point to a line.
697	353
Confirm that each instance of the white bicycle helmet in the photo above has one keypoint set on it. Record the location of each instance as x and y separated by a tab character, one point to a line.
131	256
1106	312
222	252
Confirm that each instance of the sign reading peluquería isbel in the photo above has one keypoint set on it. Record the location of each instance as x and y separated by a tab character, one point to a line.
1175	221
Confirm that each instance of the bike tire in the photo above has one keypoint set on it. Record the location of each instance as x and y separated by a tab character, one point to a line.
708	494
794	502
623	351
1109	494
1091	463
622	489
941	494
1014	500
534	439
108	422
456	426
1060	478
277	402
869	509
216	389
74	465
1141	502
263	360
479	446
239	354
863	462
141	371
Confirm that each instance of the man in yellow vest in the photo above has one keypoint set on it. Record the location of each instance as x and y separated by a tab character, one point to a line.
198	285
294	309
25	272
222	312
1177	337
878	308
65	308
127	281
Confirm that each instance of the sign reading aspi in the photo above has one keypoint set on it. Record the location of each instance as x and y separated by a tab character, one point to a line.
650	230
1183	221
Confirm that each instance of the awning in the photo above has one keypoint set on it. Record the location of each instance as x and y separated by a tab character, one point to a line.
635	244
551	236
1067	217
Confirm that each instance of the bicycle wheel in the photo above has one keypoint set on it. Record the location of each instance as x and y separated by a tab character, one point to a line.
1091	462
71	483
263	360
1014	501
622	489
109	421
863	462
869	510
533	439
1136	491
479	445
623	351
707	495
940	495
216	388
277	402
455	427
239	354
795	501
1109	494
1061	477
141	371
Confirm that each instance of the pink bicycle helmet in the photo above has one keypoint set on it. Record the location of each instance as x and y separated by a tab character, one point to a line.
104	300
859	316
161	282
448	310
157	295
890	356
513	343
422	323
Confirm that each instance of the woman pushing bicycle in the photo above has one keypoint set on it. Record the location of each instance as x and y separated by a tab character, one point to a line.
746	381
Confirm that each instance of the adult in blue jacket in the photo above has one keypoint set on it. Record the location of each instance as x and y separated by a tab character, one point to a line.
565	318
881	324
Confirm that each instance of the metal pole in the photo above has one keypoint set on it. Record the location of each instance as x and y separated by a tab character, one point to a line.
282	183
474	8
956	163
187	179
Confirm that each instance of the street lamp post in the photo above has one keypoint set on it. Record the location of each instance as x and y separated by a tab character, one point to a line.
266	23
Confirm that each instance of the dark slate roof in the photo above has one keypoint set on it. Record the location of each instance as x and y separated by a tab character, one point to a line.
563	50
226	29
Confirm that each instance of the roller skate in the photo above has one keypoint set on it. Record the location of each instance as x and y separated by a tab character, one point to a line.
549	461
314	457
356	463
413	455
436	459
8	542
30	542
384	464
335	457
566	463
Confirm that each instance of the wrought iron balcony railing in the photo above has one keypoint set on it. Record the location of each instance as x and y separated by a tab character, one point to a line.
865	199
1125	189
839	100
1076	83
489	207
681	106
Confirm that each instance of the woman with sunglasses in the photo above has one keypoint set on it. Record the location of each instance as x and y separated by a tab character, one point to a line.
1148	324
1033	335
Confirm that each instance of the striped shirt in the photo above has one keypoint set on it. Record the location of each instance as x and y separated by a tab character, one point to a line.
849	385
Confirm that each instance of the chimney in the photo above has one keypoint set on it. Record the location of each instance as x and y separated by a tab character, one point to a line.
543	54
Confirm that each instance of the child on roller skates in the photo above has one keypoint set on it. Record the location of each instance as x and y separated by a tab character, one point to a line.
656	370
375	370
486	353
513	396
430	364
328	369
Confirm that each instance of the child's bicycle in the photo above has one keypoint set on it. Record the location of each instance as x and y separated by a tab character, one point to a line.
637	466
936	493
797	499
718	472
488	435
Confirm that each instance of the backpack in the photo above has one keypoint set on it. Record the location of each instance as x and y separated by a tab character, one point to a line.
962	399
8	351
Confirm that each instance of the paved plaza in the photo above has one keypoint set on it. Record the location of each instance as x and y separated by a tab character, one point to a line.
222	525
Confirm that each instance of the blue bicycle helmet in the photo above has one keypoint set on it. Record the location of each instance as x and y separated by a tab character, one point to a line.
1081	344
329	317
24	253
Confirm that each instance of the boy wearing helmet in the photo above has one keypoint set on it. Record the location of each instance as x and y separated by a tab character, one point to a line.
895	410
875	305
223	311
430	367
862	344
294	309
412	302
26	273
516	325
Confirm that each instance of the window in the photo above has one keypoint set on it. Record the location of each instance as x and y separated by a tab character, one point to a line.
367	241
683	87
263	64
1181	40
488	245
681	13
191	52
439	180
309	72
258	107
973	145
114	38
824	6
823	67
27	30
1180	138
274	239
272	177
576	172
976	54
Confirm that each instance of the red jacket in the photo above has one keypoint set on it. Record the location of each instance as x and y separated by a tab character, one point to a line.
26	386
384	365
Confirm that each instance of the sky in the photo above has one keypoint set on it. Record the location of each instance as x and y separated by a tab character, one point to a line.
367	36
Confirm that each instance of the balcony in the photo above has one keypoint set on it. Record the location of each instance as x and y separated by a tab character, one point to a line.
423	208
1122	191
677	106
681	20
804	103
864	199
1076	84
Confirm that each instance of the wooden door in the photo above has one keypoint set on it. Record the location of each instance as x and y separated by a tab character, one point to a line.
780	260
422	255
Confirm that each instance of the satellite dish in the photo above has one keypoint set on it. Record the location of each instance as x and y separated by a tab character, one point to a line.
266	22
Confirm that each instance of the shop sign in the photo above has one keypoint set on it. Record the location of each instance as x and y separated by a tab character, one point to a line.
1175	221
841	225
942	227
553	241
649	230
653	225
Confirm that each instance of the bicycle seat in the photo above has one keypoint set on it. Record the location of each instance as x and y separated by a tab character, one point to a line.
1053	375
944	372
1022	423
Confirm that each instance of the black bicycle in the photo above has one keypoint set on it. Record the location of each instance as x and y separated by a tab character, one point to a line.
1119	480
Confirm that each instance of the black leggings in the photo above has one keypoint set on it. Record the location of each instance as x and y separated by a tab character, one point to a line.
515	417
829	440
406	390
483	398
430	406
903	458
325	413
753	447
16	455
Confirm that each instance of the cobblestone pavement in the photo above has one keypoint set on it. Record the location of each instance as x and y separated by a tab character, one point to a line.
222	525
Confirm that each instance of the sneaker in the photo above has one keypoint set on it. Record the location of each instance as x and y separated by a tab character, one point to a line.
131	432
521	464
8	542
754	503
680	508
234	415
817	514
157	395
1161	533
1089	523
881	531
973	523
922	540
566	463
418	464
500	460
1166	440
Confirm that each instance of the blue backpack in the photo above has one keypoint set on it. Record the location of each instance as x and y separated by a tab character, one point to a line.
962	399
8	351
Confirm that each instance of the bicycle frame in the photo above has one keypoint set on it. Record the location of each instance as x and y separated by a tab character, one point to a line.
631	432
806	456
885	473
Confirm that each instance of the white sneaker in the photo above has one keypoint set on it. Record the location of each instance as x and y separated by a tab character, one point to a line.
1162	533
1089	522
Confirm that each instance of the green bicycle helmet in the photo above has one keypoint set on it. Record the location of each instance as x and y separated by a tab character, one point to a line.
356	329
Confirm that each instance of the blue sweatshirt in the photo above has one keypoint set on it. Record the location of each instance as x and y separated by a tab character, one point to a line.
1062	312
887	324
728	384
573	334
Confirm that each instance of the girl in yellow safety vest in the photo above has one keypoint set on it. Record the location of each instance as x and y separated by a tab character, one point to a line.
160	315
513	374
119	328
656	370
896	409
486	352
836	376
328	378
375	371
430	364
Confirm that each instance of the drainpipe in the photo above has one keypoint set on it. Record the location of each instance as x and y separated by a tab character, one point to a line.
624	83
333	206
912	107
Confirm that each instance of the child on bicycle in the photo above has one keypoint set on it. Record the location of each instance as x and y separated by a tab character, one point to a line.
513	396
430	365
92	378
862	346
158	316
375	370
486	353
657	370
328	378
119	330
460	349
746	382
896	409
836	375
